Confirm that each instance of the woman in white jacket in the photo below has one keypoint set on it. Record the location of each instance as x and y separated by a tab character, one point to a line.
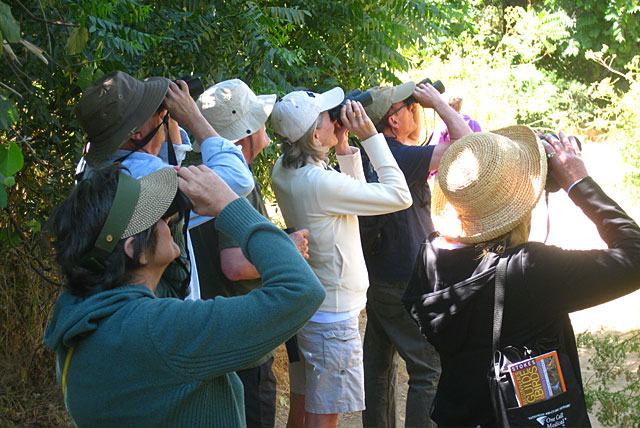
329	378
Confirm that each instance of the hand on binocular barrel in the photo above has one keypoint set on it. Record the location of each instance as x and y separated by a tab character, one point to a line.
427	96
179	102
565	160
355	118
185	111
206	190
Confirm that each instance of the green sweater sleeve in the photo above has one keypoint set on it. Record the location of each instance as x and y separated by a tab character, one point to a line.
206	338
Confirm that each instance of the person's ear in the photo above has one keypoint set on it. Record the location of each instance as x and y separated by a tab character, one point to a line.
316	137
137	136
129	251
393	122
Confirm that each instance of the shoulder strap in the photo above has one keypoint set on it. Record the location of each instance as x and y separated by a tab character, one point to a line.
65	371
498	301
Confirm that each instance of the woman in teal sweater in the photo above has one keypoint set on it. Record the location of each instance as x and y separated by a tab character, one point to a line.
127	358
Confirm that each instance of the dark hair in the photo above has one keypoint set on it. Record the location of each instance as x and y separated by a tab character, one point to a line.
75	226
384	123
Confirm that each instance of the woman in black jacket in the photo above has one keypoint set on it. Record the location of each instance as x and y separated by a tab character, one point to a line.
488	183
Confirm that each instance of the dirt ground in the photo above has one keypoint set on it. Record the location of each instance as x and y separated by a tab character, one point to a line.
570	229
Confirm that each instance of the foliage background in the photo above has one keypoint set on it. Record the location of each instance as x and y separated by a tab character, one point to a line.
547	63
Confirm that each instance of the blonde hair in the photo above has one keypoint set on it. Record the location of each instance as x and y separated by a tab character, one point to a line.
296	154
455	99
516	236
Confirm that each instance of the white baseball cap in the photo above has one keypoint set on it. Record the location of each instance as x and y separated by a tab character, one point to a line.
234	110
296	112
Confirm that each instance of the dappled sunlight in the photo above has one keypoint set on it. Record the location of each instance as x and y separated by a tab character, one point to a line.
459	177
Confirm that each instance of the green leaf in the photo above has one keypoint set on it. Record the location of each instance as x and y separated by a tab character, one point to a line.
3	197
9	181
77	40
11	159
8	24
35	225
85	77
8	113
6	234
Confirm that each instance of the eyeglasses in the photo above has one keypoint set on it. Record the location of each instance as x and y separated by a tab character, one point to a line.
404	104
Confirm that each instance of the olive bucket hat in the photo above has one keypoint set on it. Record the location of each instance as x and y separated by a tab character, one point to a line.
113	108
137	206
487	183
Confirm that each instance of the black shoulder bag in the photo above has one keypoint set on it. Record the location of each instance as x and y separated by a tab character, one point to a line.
562	409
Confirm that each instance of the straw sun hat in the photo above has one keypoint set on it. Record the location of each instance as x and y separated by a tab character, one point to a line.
137	205
487	183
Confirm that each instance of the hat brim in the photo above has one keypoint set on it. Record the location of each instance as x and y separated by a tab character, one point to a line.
157	191
330	99
527	187
402	92
154	92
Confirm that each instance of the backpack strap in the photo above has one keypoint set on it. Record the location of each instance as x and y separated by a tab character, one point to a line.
498	301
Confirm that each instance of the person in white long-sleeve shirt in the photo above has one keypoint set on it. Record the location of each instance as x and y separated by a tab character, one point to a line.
328	379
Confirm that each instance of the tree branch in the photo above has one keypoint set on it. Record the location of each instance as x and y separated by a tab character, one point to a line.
24	141
35	18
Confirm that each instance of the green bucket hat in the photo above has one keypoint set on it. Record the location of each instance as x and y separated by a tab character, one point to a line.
137	205
384	96
114	107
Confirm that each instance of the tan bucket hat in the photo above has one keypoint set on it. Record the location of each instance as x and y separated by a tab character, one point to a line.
384	96
114	107
487	183
234	110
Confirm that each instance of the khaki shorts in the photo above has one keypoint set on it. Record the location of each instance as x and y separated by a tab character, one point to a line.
330	372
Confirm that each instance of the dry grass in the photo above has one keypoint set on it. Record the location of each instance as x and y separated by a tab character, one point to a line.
29	394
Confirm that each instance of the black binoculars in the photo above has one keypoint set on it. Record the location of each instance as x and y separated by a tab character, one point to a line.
196	87
437	84
363	98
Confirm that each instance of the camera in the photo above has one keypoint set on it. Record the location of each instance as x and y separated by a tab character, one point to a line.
196	87
363	98
551	185
437	84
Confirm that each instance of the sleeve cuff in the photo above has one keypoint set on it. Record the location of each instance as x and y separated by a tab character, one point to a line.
574	183
350	155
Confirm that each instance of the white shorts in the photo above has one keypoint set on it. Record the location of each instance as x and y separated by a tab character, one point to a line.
330	373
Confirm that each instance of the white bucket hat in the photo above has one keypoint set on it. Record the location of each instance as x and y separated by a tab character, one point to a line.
234	110
294	114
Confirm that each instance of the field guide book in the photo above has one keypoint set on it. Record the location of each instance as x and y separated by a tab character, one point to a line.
537	379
